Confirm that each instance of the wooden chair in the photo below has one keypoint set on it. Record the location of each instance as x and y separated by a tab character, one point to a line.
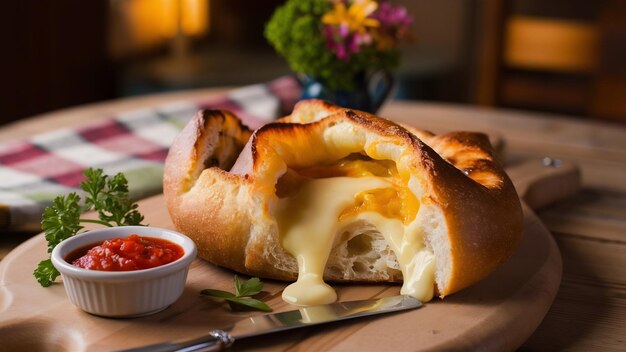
554	64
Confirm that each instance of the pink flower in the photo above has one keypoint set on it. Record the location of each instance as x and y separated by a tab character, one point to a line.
392	16
395	24
352	25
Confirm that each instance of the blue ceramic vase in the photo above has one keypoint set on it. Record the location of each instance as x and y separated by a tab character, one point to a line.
369	95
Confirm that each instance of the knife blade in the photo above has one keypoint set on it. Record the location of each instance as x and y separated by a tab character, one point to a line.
217	340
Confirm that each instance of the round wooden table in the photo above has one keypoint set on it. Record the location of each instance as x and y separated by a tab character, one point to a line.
589	312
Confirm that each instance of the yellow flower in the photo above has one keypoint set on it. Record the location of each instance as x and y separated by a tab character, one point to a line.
354	17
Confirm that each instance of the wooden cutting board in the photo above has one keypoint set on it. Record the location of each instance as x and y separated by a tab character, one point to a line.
499	313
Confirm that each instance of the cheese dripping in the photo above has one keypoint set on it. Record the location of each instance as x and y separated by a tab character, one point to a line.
316	209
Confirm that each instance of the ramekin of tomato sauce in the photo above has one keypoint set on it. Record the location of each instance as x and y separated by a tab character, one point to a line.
124	254
124	271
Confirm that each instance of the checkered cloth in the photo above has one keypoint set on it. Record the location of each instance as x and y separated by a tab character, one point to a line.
34	171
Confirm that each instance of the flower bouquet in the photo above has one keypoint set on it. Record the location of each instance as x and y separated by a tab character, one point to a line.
337	43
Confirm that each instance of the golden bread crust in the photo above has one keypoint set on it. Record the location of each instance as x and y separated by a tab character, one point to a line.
213	219
226	213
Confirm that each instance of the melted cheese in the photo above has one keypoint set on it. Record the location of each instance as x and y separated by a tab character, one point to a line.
416	261
353	166
307	223
391	202
313	210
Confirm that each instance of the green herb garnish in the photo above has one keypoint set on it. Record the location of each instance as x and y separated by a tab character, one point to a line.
241	299
61	220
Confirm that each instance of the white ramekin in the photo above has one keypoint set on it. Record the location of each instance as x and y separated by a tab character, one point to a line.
124	293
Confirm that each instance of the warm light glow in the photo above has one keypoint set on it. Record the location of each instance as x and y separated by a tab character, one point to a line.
194	19
151	21
552	44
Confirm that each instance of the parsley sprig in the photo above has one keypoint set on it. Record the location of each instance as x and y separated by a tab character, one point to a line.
241	299
61	220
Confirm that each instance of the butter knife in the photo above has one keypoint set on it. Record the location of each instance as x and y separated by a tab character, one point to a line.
218	340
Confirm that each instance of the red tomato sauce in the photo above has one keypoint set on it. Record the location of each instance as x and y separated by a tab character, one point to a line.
125	254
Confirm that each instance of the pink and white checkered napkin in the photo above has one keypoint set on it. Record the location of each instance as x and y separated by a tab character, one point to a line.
34	171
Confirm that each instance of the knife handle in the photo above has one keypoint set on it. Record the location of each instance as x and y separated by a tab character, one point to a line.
216	340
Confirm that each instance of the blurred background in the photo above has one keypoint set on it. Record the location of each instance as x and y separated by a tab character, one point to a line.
561	56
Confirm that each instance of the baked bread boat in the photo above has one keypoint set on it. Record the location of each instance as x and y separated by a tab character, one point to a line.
333	194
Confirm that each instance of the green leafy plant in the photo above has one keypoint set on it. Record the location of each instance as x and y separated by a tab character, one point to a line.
241	300
334	41
62	220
